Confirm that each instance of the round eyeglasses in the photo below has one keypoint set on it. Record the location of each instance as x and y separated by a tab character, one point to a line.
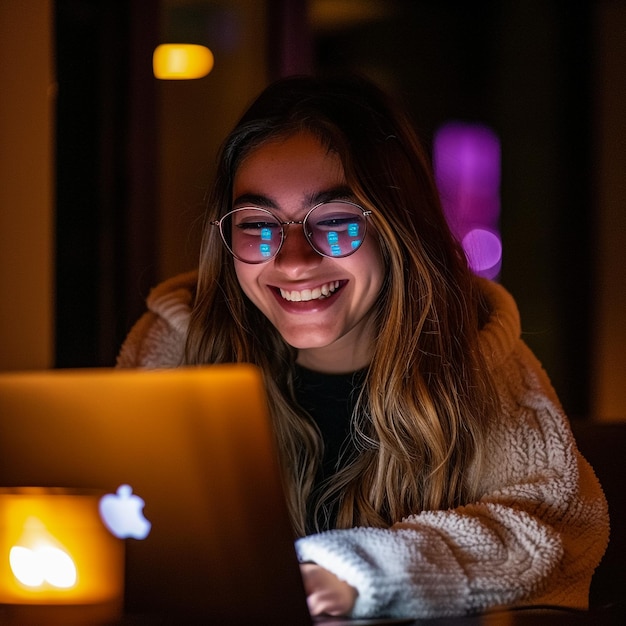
254	235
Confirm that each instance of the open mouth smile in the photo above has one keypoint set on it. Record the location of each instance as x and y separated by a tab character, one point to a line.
318	293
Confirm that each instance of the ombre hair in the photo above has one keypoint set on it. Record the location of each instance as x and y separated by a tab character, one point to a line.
428	397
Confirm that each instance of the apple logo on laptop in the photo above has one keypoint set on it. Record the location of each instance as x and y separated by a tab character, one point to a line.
122	514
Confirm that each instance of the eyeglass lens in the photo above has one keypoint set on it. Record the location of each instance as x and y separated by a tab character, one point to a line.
334	229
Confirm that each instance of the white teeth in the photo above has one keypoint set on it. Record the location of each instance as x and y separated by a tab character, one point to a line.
310	294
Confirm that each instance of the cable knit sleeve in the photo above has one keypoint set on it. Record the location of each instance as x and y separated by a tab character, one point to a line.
534	537
158	337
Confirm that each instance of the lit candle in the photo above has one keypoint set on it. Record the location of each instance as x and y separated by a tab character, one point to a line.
58	562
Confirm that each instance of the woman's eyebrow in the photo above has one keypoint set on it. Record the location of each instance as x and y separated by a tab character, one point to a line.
253	199
341	192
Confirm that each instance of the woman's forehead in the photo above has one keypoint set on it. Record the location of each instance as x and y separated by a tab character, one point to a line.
297	165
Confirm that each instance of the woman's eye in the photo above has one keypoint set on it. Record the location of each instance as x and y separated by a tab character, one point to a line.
337	223
259	227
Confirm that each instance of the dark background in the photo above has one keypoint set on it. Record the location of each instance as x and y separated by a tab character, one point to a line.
523	68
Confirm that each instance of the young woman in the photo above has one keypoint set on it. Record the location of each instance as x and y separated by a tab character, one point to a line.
429	467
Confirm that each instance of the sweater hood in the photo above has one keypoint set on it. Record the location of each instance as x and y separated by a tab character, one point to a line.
503	330
172	300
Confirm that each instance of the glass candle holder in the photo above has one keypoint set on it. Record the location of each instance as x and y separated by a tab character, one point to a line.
58	562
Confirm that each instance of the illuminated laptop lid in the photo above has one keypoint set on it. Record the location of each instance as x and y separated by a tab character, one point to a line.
195	444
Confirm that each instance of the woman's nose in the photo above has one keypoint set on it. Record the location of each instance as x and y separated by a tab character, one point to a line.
296	254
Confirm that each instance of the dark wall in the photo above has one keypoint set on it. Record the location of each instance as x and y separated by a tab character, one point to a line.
105	174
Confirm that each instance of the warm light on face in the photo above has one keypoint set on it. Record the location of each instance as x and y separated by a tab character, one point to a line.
178	61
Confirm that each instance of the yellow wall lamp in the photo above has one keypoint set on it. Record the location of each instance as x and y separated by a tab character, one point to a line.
181	61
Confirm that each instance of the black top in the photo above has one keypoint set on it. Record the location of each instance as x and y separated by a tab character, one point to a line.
330	400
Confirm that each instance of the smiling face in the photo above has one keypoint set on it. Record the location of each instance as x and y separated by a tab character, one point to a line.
320	305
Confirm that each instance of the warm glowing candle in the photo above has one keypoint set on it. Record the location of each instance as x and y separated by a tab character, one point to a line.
55	552
181	61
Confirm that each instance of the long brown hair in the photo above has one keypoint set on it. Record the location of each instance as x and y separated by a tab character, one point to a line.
421	417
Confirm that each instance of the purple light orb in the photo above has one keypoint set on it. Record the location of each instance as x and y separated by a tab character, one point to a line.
483	249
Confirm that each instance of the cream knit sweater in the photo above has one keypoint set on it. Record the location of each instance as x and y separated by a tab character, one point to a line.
534	537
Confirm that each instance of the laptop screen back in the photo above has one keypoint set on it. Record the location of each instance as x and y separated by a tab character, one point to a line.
196	445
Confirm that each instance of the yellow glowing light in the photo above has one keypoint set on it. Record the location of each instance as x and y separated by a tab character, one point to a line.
56	552
43	564
180	61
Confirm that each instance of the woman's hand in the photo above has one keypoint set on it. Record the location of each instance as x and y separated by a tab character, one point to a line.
326	594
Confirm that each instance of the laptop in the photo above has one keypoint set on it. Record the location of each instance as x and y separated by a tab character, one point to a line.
195	444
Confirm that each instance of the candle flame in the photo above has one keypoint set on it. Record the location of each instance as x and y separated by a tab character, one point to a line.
42	564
